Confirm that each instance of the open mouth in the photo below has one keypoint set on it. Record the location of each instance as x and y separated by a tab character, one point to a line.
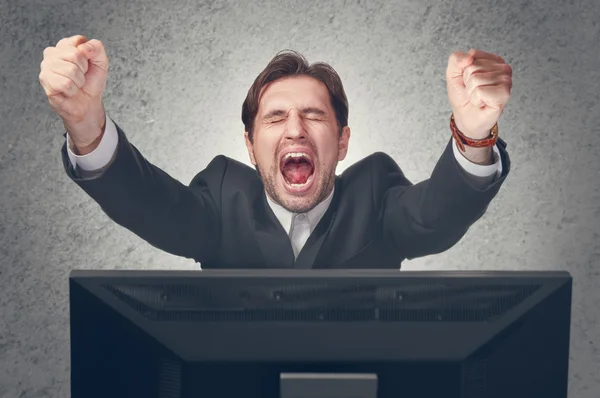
297	169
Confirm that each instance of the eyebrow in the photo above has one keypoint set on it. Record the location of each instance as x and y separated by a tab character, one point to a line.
303	111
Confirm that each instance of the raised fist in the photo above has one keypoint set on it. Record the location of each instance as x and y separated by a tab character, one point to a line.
73	75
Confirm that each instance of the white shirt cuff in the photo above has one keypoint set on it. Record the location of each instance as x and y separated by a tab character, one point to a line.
475	169
99	157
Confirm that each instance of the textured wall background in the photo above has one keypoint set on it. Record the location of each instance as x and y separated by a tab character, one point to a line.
178	76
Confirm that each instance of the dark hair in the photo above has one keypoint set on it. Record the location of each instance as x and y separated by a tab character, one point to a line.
291	63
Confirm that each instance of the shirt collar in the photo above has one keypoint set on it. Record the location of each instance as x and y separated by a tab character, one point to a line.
314	215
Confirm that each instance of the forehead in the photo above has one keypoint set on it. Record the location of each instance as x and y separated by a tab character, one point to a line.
296	91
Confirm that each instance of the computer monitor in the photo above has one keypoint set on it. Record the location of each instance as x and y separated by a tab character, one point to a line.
319	334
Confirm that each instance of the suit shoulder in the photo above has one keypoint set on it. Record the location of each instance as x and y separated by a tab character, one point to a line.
225	174
374	163
382	159
378	171
222	165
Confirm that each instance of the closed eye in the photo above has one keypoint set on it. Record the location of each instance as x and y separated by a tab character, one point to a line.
312	119
310	113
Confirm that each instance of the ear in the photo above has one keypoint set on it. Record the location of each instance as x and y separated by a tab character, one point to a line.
250	148
343	143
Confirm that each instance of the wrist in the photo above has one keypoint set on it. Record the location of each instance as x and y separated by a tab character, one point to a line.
85	148
85	136
464	141
468	134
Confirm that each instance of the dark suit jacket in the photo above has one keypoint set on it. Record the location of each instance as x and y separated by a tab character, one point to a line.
377	217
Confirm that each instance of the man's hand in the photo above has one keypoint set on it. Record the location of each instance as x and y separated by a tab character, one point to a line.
73	75
479	86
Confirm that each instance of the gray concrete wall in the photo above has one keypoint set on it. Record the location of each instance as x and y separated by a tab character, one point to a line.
178	76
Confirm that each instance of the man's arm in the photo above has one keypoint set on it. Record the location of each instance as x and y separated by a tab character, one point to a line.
433	215
181	220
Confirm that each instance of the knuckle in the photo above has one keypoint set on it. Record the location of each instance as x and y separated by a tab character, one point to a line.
42	77
80	59
63	54
78	54
50	53
470	69
49	86
66	85
469	73
75	54
473	78
73	57
97	43
72	69
70	54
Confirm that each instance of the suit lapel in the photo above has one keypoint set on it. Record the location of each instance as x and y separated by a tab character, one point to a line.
312	249
272	238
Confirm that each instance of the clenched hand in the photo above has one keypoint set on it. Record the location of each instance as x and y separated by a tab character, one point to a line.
73	75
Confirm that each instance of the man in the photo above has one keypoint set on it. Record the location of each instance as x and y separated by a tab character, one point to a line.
292	210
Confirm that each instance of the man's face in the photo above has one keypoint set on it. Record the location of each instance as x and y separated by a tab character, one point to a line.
297	144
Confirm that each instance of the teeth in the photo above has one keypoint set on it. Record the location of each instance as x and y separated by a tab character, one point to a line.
296	155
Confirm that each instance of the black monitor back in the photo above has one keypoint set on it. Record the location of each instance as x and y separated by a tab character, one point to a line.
180	334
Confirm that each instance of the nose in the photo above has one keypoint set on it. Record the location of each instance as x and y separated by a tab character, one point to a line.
294	127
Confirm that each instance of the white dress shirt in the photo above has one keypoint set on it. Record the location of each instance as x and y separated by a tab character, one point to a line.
298	226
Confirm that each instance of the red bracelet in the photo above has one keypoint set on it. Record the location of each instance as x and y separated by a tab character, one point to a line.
462	140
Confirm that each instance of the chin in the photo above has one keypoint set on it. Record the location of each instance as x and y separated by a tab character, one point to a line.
295	197
298	198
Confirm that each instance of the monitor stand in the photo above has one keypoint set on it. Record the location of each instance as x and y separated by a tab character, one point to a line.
328	385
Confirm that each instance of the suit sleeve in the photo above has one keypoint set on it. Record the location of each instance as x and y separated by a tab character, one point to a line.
433	215
137	195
